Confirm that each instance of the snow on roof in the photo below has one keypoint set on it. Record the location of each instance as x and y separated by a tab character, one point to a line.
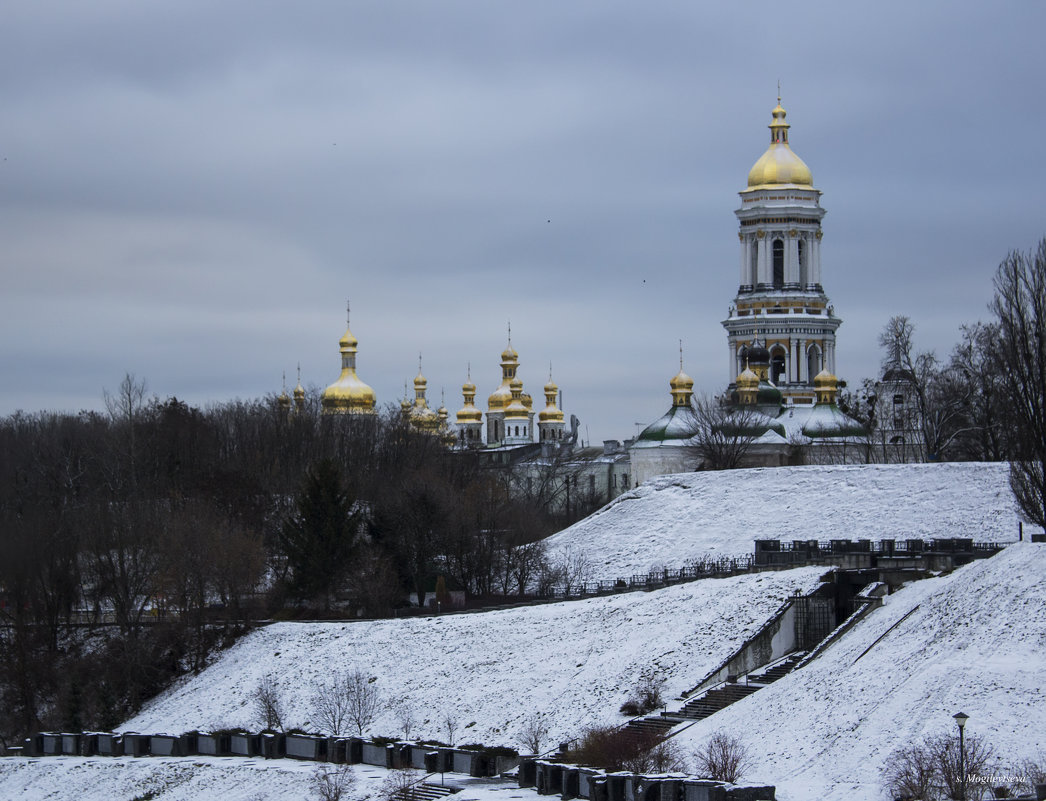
675	427
671	519
974	644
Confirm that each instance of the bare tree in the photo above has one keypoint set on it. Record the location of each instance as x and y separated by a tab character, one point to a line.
406	717
450	725
941	396
331	783
930	770
364	699
268	705
1020	348
348	698
723	758
534	731
723	434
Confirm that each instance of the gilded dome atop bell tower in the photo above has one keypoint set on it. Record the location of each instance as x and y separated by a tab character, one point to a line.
779	165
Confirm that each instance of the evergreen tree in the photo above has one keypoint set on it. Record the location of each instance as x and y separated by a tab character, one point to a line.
319	537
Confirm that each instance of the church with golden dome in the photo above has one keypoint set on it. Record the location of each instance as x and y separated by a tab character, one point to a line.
348	395
780	298
781	335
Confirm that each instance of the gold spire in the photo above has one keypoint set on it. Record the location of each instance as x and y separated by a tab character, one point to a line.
421	416
348	395
469	413
747	386
502	396
682	385
779	165
551	413
283	399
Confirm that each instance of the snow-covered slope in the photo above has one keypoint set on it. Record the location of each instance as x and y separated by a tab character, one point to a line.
974	643
672	519
575	661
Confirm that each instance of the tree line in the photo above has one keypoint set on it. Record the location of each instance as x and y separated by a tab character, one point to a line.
135	539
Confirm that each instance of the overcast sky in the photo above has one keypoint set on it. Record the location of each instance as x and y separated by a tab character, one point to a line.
190	191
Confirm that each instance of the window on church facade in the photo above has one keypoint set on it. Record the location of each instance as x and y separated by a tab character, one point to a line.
779	263
804	277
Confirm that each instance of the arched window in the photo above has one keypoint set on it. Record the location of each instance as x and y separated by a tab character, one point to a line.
804	277
779	263
753	252
777	364
813	362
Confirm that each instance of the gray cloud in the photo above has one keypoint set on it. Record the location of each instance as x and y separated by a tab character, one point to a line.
191	191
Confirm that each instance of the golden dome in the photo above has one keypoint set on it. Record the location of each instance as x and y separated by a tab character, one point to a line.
681	381
509	354
468	388
348	394
747	380
779	165
825	380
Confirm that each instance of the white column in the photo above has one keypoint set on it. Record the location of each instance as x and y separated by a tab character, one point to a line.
792	260
762	273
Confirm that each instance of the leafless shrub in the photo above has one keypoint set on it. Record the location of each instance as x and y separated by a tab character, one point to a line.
348	698
666	757
268	706
398	783
646	697
931	769
533	732
723	758
331	783
613	748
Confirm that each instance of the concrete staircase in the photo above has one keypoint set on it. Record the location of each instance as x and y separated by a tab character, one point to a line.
721	697
423	791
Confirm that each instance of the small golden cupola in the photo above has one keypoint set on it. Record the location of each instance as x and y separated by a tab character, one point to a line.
299	395
550	419
682	385
469	418
348	395
502	396
779	165
421	416
747	386
283	400
826	386
469	413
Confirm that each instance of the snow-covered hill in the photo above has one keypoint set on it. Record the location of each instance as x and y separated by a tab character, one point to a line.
672	519
576	661
975	643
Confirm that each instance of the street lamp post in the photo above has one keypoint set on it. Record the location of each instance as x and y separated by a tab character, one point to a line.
961	719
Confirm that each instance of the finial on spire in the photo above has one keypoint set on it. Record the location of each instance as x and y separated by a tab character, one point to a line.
680	355
348	313
419	362
778	91
510	333
550	371
468	372
299	372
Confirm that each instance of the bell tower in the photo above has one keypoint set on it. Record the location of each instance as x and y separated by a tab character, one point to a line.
780	298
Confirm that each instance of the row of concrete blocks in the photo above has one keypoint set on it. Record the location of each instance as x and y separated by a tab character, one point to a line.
272	745
572	781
